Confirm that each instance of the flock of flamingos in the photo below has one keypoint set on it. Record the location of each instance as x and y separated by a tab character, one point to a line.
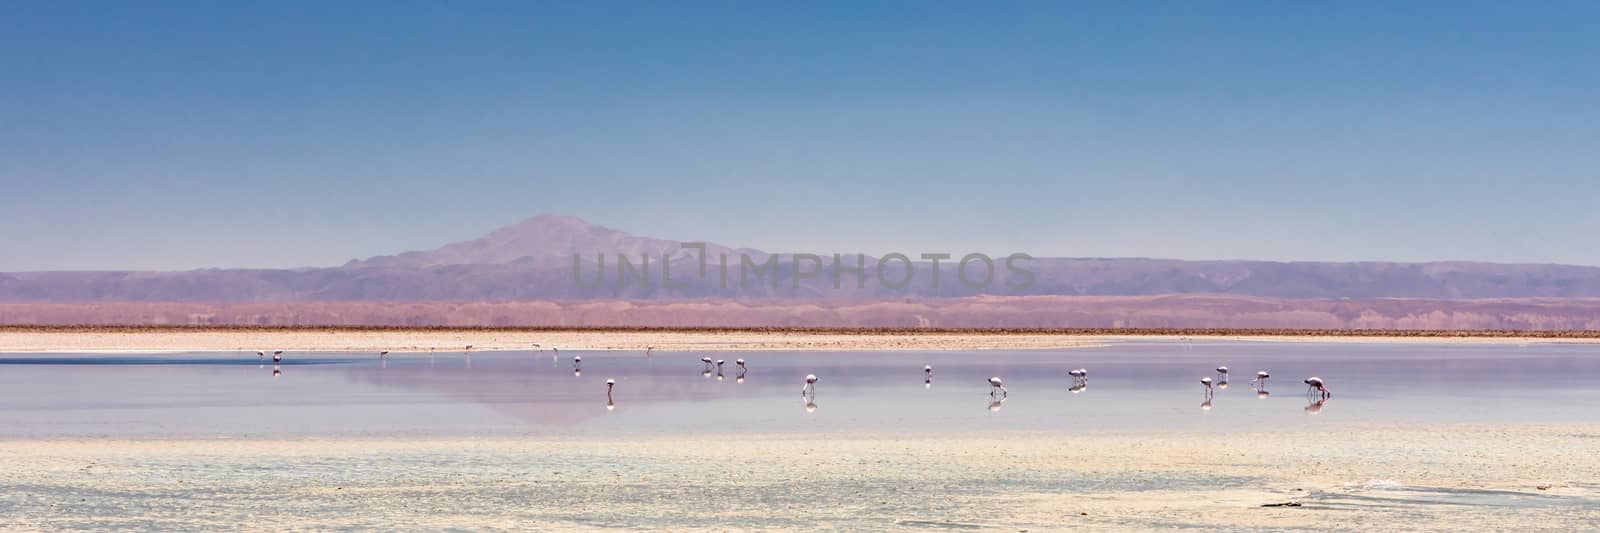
1315	388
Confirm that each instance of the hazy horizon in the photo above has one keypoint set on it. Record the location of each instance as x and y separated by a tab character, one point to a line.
177	135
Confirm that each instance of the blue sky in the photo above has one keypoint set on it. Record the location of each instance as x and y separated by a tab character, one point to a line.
165	135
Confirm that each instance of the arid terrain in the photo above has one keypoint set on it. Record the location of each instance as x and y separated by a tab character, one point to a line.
1034	312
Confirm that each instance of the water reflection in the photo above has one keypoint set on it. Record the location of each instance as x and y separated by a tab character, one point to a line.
1315	406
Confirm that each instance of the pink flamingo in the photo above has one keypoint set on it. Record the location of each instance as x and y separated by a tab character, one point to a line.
1314	383
996	385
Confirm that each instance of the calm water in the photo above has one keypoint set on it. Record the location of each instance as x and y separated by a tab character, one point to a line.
1132	386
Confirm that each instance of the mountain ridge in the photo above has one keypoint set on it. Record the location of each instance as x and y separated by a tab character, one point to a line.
534	260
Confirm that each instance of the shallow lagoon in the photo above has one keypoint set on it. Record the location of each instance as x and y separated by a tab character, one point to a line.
1134	386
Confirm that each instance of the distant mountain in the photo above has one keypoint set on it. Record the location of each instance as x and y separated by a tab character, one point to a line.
541	240
533	260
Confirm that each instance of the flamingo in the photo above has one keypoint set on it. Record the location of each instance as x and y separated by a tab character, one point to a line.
648	349
610	404
1206	382
383	354
810	387
1314	383
927	376
1080	376
277	356
739	363
260	355
996	385
707	361
1261	377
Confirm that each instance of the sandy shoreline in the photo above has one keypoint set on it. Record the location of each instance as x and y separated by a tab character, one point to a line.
456	340
133	341
1421	477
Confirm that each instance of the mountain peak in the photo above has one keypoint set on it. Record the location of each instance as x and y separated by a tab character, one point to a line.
550	223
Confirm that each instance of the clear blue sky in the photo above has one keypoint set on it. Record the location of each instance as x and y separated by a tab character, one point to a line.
164	135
